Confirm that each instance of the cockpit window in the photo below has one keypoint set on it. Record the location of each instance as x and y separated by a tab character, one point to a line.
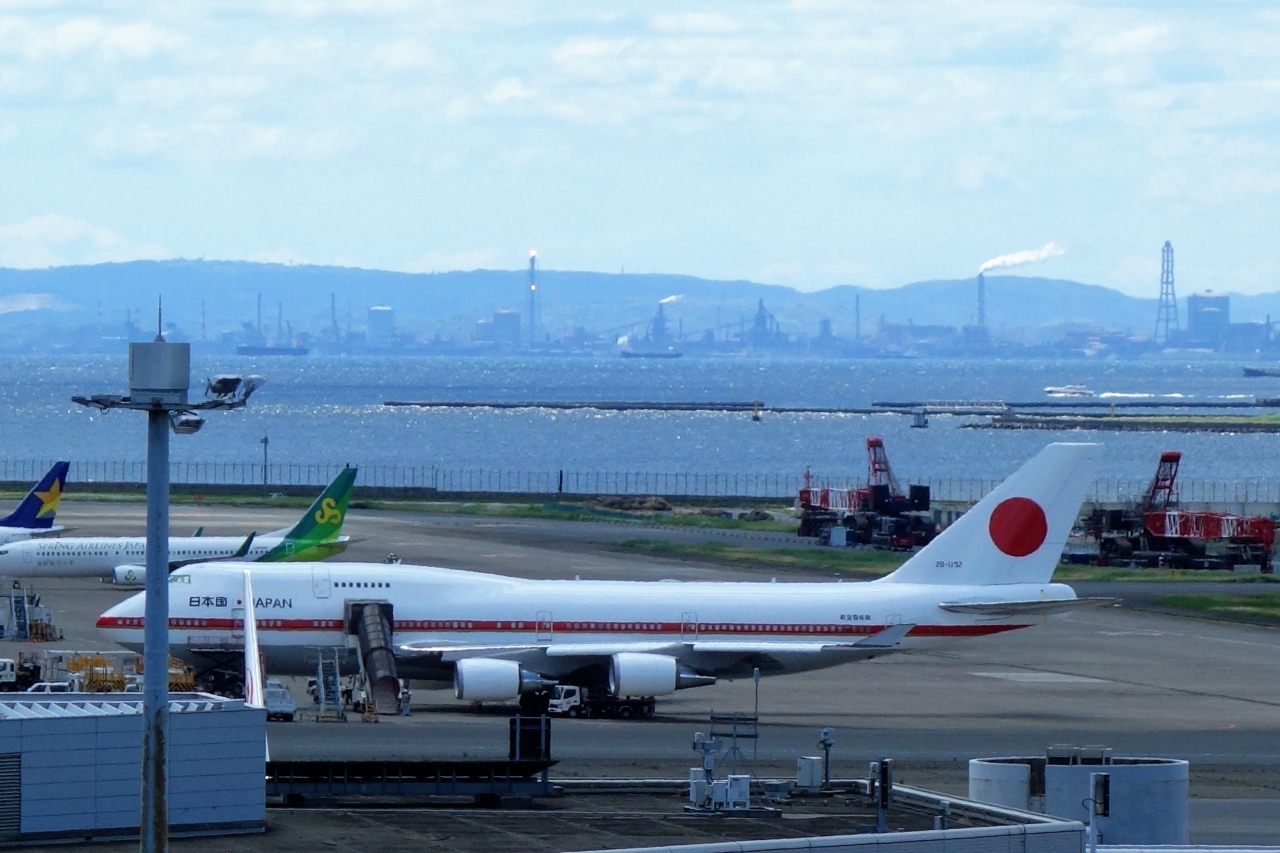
179	578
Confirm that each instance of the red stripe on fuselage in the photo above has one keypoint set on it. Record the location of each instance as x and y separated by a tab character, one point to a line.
793	630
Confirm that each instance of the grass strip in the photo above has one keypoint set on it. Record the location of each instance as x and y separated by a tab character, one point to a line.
557	511
554	511
1261	608
861	564
1105	574
874	564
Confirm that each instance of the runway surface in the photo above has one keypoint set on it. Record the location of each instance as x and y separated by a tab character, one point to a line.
1142	683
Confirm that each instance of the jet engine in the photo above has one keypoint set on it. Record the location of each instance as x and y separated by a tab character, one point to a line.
490	680
641	674
129	575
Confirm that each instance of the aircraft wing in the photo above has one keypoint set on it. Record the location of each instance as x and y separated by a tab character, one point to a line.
886	639
1001	609
239	554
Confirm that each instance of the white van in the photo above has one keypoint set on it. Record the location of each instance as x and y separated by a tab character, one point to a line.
280	705
52	687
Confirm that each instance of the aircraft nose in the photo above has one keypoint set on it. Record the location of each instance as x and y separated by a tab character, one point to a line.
126	614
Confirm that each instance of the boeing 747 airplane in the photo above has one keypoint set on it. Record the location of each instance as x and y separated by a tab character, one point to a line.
498	638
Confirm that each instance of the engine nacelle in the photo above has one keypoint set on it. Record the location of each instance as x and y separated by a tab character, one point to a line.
490	680
642	674
129	575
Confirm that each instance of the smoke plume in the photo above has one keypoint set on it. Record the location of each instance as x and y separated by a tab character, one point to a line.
1027	256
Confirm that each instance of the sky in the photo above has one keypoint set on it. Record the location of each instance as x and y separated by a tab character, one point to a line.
808	143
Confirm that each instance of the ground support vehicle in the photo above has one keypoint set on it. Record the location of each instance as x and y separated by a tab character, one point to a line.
16	676
567	700
280	705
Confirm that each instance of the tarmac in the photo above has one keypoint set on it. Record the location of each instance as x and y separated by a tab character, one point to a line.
1146	684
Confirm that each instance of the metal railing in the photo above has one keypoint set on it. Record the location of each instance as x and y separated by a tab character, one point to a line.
517	481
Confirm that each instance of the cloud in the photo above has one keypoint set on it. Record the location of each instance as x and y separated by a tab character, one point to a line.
696	22
131	41
221	135
509	89
54	240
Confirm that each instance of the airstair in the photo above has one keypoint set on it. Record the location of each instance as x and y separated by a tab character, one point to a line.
371	622
21	622
329	685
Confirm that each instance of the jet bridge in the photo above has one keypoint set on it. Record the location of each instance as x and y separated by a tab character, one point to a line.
370	623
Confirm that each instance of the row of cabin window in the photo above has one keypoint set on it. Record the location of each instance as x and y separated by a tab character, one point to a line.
363	584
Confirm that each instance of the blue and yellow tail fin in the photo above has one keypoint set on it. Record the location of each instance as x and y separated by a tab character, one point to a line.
37	509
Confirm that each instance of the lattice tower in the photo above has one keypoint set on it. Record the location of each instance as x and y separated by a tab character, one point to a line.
1167	316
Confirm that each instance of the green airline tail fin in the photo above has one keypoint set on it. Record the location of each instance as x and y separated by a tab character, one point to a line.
320	524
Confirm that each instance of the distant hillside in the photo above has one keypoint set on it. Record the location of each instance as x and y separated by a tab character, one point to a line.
449	303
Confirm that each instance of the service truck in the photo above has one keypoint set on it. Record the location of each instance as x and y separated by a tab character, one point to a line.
15	675
572	701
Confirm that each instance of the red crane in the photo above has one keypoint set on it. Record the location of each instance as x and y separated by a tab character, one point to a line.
1160	534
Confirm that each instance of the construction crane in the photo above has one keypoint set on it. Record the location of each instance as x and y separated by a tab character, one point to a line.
1156	533
877	514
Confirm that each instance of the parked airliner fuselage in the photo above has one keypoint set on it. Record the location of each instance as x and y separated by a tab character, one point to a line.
302	607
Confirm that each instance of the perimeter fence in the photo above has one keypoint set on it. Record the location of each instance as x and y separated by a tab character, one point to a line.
516	481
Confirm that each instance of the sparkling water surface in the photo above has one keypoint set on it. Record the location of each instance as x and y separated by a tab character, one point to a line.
322	409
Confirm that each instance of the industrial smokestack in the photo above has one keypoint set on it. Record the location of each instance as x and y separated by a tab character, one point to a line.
533	297
982	301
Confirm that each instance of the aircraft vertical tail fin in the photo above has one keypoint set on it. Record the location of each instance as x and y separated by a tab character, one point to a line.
1016	533
255	695
320	525
37	509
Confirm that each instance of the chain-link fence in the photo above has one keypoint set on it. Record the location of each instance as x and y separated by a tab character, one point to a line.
515	481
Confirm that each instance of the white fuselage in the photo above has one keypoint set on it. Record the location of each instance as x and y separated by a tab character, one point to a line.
21	534
301	607
98	556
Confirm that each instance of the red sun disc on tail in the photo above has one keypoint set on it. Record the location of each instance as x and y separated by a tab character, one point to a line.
1018	526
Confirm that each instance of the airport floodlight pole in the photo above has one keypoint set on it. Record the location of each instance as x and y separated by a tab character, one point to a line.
264	441
159	379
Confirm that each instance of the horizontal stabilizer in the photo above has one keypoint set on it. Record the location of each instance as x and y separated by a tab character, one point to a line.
999	609
886	639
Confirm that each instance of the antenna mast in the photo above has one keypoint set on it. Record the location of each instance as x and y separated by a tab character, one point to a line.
1167	316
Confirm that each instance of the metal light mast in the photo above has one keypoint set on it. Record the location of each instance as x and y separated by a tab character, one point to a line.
533	297
159	379
1167	316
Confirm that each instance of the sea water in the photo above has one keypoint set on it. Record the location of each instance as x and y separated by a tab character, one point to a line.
328	410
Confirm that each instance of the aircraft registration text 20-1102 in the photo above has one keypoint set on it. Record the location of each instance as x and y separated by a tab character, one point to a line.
949	564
